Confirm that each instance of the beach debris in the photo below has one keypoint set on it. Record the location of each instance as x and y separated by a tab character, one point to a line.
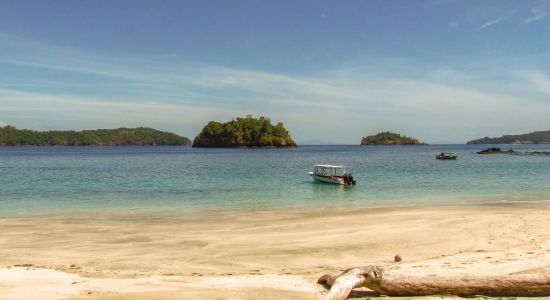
397	258
384	283
24	265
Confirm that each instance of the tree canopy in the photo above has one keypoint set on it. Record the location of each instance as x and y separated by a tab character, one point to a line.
244	132
141	136
389	138
537	137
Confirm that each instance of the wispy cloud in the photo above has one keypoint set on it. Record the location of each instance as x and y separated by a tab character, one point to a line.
74	110
491	23
538	13
444	2
537	80
453	24
498	20
183	97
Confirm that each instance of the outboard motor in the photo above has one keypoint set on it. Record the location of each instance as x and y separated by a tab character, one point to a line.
348	179
351	180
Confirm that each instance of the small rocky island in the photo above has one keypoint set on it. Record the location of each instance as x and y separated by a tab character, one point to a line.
141	136
537	137
244	132
389	138
495	150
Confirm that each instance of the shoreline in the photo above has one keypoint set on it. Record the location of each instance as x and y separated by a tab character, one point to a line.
448	201
260	254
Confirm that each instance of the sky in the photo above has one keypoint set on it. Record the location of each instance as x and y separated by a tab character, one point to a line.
444	71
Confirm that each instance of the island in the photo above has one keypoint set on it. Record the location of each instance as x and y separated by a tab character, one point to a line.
389	138
141	136
537	137
244	132
494	150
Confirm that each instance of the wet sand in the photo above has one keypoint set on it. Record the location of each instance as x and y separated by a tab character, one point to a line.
275	254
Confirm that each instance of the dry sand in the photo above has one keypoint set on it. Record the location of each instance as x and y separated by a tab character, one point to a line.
258	254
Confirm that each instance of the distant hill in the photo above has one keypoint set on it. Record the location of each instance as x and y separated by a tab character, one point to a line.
389	138
537	137
142	136
244	132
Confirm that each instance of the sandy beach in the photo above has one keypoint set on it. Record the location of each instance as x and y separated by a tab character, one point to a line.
249	254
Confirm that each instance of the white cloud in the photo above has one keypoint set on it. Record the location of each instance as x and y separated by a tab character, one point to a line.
361	101
312	106
453	24
2	124
537	80
538	13
498	20
74	110
491	23
337	105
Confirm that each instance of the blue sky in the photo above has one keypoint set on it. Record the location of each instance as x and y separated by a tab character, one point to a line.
440	70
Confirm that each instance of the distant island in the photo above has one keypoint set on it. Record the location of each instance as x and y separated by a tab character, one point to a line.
494	150
537	137
141	136
244	132
389	138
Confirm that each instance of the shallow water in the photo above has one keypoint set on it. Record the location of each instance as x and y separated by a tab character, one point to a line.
56	179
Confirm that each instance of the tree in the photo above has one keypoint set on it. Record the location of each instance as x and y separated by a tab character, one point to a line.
244	132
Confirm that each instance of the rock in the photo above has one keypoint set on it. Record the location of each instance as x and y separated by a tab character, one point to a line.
494	150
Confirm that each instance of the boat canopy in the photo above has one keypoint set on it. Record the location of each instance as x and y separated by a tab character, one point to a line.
330	166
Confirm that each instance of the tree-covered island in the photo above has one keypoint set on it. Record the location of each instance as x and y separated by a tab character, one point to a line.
537	137
244	132
389	138
141	136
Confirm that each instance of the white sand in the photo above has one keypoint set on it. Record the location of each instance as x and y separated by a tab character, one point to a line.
259	255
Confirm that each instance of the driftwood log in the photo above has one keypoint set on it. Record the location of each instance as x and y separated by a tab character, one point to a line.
374	278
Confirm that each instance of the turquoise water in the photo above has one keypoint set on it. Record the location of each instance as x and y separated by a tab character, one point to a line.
50	179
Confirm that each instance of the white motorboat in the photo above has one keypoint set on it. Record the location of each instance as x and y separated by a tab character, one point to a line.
332	174
446	155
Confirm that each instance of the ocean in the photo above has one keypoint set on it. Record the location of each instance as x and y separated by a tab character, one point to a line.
37	180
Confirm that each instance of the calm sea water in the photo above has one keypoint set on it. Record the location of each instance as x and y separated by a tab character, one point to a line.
51	179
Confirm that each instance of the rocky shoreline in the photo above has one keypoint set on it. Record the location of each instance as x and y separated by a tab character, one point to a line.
494	150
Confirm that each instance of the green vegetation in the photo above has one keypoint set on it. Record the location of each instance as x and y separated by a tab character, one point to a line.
244	132
389	138
494	150
142	136
537	137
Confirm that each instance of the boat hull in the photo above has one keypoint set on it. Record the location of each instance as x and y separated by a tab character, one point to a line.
330	180
446	157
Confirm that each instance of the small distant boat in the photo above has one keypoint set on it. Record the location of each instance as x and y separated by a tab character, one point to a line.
332	174
446	155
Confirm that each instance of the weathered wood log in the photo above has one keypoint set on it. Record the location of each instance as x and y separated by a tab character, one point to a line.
374	278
